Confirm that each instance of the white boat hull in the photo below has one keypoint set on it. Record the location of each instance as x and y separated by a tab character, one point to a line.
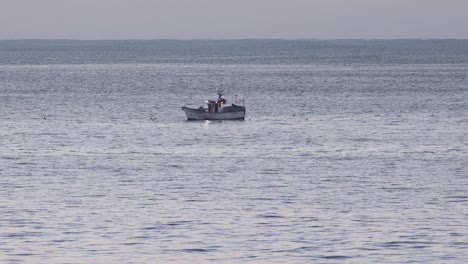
201	114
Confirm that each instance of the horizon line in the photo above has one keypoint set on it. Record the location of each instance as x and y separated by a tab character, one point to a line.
233	39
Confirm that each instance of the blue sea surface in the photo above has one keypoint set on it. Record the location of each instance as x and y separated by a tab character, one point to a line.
352	151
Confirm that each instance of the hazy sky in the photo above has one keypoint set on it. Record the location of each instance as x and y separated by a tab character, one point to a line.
232	19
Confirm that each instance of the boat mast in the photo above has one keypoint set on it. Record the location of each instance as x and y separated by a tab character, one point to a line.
220	91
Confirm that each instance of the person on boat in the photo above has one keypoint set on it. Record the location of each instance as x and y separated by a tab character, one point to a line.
221	100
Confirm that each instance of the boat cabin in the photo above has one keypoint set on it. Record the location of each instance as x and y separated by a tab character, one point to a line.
216	106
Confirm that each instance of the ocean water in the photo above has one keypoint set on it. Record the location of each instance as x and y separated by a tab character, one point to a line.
351	152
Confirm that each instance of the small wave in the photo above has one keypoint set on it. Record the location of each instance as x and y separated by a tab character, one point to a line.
132	243
197	250
151	228
26	163
10	158
412	244
336	257
177	223
23	254
269	216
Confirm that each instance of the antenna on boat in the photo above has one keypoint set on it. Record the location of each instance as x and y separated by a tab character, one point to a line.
220	91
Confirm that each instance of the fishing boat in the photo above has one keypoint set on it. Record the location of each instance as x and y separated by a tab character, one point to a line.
217	110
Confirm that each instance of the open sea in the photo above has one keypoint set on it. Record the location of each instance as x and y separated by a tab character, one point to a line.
352	151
